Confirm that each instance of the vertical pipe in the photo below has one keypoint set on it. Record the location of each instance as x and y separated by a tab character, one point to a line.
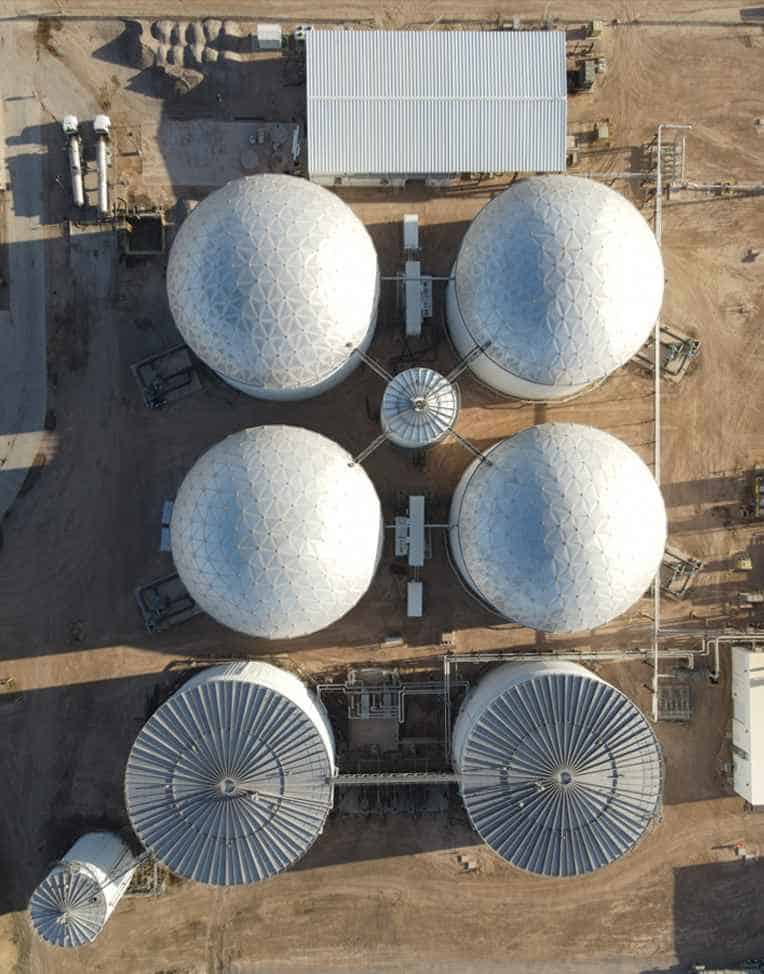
657	398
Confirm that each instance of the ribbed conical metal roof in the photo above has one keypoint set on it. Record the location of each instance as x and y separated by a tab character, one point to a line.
562	772
418	408
68	908
229	782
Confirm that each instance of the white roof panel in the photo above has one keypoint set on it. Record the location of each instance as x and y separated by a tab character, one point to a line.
421	102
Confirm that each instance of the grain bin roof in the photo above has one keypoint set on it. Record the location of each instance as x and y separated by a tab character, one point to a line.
562	773
229	782
422	102
418	408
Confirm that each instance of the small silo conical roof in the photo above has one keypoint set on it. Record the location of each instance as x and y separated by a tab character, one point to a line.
229	782
273	281
419	407
68	908
562	530
71	905
562	773
563	277
275	533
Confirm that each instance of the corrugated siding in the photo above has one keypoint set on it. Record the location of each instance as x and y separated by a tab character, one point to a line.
418	102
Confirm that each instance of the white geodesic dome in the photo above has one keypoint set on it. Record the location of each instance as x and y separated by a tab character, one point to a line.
230	780
561	528
560	278
275	533
273	281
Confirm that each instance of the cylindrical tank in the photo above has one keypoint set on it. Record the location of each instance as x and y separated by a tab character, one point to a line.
419	407
561	530
72	904
273	282
230	781
560	280
276	533
561	772
70	126
102	126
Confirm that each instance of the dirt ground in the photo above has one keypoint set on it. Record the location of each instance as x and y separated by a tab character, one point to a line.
376	894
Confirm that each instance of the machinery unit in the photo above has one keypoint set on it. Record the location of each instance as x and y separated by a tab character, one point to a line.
71	129
561	773
411	233
417	297
419	408
273	282
230	780
276	532
410	533
71	905
102	128
269	37
554	319
559	528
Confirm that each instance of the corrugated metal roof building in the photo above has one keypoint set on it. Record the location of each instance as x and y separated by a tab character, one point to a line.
392	104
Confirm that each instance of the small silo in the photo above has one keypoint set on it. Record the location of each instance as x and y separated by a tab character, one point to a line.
72	904
230	781
276	533
562	773
560	279
273	282
419	408
562	530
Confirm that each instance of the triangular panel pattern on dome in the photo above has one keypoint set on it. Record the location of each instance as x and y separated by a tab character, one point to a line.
273	281
563	530
563	276
275	533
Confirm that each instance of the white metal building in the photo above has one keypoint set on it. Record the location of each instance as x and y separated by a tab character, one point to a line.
389	105
748	724
230	781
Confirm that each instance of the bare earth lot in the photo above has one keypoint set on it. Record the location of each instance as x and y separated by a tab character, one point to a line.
373	894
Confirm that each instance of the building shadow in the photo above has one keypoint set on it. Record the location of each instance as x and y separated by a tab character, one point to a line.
713	898
65	750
